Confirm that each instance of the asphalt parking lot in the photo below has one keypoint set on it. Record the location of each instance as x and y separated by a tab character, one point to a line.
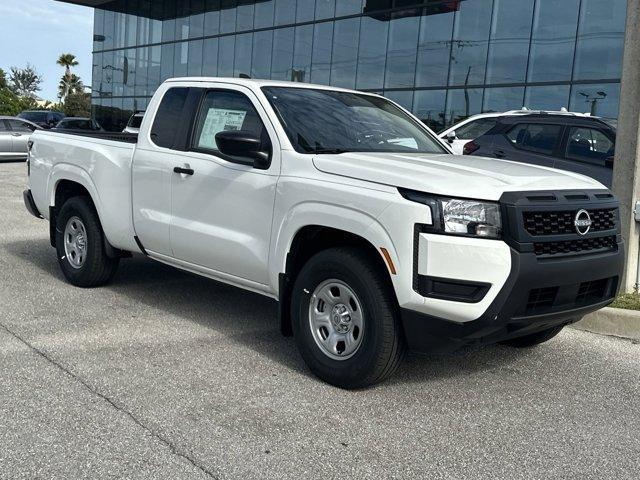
167	375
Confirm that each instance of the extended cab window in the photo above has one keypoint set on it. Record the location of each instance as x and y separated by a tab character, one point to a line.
226	110
165	125
539	138
588	144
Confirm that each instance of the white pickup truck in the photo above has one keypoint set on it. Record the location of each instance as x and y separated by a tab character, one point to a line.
342	206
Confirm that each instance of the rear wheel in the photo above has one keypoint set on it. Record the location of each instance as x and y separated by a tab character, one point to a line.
80	245
345	319
534	338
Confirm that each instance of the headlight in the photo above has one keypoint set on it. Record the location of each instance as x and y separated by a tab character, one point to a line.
456	216
471	217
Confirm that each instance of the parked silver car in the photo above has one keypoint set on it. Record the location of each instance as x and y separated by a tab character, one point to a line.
14	136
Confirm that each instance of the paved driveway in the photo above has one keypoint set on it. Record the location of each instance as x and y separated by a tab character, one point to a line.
166	375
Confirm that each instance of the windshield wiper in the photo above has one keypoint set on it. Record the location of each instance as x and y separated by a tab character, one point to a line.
330	151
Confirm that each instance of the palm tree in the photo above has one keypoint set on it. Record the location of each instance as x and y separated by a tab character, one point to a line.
69	85
67	60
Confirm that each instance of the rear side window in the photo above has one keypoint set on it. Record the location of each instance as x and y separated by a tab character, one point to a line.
18	126
589	145
165	126
225	111
475	129
536	137
3	126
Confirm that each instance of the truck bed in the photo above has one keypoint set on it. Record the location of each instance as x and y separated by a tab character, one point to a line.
100	162
113	136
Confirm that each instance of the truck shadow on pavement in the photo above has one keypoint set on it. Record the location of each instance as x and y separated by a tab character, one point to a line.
247	318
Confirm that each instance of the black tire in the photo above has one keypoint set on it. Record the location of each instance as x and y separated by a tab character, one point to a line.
97	268
382	345
534	338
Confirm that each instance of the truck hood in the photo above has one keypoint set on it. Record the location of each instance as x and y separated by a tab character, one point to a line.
451	175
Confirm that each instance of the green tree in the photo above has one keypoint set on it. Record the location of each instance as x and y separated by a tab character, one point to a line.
25	82
69	85
77	105
11	104
66	60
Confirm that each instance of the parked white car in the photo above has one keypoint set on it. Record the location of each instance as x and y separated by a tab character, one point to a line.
458	135
341	206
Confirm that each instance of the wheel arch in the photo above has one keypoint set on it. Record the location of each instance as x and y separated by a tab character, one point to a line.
312	238
68	186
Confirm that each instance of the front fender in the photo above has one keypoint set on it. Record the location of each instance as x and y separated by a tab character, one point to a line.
339	217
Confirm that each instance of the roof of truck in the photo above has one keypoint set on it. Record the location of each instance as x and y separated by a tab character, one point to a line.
255	82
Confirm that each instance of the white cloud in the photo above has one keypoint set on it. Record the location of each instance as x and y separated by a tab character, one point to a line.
46	12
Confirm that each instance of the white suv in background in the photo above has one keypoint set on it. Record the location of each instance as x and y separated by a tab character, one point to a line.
476	125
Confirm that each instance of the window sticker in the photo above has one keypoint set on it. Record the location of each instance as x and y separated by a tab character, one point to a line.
219	120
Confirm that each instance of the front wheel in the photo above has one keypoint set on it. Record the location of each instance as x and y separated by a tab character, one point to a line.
533	339
345	318
80	245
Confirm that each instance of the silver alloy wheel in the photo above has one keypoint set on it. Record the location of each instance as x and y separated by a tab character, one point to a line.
75	242
336	319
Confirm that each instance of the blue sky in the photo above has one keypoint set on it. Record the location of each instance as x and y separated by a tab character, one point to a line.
38	31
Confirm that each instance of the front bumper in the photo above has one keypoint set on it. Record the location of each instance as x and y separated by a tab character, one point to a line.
538	294
31	204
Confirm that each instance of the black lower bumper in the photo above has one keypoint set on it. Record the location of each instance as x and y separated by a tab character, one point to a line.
30	204
538	294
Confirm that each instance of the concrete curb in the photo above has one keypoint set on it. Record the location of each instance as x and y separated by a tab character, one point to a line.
612	321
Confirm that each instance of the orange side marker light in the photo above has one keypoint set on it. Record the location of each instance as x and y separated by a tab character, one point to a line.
387	257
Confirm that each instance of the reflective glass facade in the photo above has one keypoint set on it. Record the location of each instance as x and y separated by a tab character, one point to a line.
442	59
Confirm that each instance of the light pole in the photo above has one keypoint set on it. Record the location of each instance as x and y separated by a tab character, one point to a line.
593	100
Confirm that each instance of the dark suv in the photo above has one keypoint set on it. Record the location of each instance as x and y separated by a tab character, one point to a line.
579	144
42	118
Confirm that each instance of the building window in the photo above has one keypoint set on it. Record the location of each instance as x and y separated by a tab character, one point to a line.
600	39
509	41
444	59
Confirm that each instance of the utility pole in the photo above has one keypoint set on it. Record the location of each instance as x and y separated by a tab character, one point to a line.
626	167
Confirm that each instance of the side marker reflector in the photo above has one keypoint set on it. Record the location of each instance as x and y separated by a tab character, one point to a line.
387	257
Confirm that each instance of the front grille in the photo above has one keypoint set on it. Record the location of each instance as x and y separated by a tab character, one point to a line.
575	246
541	299
561	222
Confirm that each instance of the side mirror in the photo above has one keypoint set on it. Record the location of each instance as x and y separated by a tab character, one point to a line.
451	136
244	148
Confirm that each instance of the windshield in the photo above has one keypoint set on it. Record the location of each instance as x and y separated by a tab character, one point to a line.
34	116
327	121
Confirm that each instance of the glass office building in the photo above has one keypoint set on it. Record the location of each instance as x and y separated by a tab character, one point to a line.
442	59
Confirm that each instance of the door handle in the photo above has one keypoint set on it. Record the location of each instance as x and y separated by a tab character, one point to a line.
16	134
499	154
183	170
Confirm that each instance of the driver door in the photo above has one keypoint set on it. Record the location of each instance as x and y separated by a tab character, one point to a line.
222	211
